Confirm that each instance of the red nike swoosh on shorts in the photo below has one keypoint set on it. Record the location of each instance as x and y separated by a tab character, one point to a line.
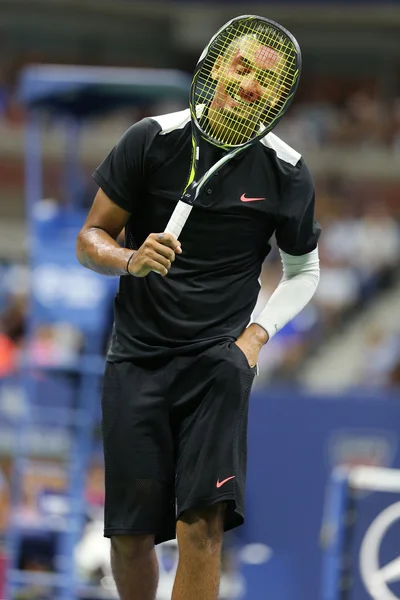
220	483
244	199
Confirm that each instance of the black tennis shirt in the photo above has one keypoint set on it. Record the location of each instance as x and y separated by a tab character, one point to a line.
212	287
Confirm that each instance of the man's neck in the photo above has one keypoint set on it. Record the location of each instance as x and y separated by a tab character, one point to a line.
226	131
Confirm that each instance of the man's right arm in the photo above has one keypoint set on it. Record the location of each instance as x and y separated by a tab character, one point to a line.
97	248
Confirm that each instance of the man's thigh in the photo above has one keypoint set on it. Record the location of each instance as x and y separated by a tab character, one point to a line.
138	453
210	418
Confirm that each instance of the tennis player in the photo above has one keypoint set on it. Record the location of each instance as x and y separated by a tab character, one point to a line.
183	355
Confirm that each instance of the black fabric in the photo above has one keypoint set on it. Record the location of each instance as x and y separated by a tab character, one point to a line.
297	231
175	438
212	287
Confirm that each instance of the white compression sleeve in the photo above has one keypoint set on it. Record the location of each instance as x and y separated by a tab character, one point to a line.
295	290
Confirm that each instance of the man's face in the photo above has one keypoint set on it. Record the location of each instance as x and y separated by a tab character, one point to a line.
248	79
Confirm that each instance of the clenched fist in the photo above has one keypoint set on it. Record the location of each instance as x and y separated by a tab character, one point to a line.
157	253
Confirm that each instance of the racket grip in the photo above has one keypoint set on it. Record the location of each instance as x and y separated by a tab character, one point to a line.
178	218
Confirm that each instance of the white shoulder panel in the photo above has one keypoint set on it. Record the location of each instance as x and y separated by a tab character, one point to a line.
178	120
172	121
282	150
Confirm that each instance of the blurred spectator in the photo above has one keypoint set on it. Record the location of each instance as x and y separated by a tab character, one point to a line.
338	289
7	355
4	501
395	126
362	121
55	345
395	375
376	241
95	492
381	357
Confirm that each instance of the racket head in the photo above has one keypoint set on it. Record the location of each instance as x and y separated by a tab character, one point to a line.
244	81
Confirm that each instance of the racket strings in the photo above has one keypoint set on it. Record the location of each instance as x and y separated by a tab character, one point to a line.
245	80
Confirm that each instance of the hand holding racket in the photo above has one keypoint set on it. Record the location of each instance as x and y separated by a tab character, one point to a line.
157	253
243	84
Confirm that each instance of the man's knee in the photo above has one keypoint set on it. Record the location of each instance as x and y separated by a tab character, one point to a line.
202	527
131	547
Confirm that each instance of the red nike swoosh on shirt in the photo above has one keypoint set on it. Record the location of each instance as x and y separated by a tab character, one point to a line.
220	483
244	199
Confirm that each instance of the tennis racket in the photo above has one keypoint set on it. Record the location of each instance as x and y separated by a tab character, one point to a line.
243	84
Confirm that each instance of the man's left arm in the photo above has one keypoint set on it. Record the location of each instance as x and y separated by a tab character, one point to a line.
294	292
297	236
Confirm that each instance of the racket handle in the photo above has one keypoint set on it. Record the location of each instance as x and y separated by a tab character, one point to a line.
178	218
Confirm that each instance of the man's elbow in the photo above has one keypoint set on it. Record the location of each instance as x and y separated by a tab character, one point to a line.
80	249
315	275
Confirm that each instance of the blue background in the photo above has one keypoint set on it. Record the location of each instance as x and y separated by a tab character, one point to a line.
294	442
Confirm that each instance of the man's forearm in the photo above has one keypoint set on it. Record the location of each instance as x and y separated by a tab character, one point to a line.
297	287
97	250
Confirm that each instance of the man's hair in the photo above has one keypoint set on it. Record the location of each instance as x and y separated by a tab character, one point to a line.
264	33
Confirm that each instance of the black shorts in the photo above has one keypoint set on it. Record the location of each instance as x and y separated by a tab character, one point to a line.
175	438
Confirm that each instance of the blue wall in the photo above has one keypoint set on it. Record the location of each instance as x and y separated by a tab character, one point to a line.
294	442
